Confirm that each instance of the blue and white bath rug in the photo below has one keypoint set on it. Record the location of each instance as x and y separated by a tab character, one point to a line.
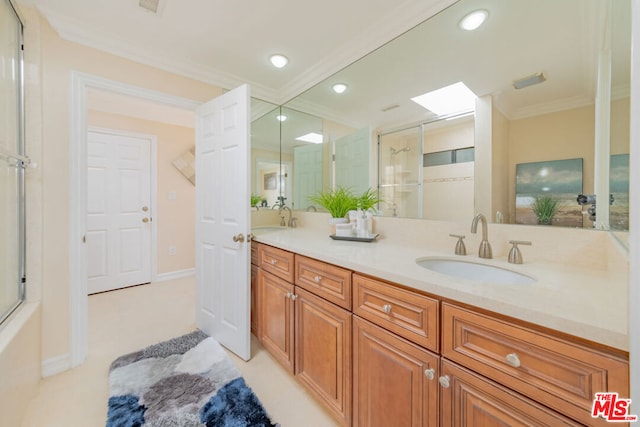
187	381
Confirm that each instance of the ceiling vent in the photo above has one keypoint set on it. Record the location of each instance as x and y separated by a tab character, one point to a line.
389	108
150	5
531	80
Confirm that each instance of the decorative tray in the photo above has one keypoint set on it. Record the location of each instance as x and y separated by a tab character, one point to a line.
370	238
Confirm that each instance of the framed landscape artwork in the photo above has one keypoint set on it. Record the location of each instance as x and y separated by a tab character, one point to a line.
559	179
619	185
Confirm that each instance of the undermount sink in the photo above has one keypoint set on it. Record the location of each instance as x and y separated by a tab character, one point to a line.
474	271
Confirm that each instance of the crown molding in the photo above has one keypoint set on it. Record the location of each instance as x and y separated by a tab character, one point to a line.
406	16
78	32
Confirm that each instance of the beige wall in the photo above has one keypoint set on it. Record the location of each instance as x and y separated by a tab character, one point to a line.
175	217
59	58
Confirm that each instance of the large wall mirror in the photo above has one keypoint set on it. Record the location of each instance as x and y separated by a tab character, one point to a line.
562	133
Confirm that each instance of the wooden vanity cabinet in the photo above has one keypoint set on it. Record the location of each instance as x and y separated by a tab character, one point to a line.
409	314
323	352
469	400
305	332
254	289
560	374
276	321
395	382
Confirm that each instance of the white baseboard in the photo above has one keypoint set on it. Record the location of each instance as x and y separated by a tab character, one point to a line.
175	275
55	365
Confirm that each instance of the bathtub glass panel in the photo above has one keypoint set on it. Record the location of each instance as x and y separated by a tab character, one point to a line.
12	162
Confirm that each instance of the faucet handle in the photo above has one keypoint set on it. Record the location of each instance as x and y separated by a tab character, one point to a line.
460	247
515	257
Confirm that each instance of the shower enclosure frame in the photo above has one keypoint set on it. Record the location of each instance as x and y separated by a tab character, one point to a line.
18	160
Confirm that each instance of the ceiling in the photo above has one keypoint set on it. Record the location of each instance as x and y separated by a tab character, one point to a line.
228	43
365	43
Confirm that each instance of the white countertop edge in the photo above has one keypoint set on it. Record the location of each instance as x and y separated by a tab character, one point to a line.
545	303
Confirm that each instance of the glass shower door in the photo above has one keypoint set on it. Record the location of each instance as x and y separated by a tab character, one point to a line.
400	173
12	162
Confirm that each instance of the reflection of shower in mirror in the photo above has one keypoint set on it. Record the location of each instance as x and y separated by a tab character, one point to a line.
394	151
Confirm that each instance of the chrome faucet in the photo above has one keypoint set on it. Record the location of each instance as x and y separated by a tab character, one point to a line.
291	221
485	247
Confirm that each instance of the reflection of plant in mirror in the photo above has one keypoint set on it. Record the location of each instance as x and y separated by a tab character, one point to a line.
338	201
545	208
368	199
255	199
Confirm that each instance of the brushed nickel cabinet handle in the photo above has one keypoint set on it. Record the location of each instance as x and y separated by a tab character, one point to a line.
444	381
430	373
513	360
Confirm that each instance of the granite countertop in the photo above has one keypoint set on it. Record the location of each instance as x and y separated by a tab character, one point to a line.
590	304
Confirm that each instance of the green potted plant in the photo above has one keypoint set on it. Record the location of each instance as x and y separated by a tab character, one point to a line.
368	199
255	199
338	202
545	208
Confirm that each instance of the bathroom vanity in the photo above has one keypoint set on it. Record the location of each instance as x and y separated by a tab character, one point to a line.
381	341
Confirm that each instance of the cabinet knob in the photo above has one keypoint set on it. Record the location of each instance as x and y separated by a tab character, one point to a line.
430	373
274	262
294	297
317	279
386	308
513	360
289	295
444	381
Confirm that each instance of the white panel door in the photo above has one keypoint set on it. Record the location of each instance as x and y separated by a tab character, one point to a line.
222	220
118	211
307	173
352	161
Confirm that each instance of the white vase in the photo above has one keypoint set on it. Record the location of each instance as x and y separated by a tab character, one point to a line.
334	221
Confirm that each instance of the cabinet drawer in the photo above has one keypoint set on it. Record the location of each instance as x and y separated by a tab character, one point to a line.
325	280
276	261
408	314
469	400
254	252
558	373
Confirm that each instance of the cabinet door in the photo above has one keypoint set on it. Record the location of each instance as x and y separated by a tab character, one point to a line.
323	352
394	381
275	309
254	301
469	400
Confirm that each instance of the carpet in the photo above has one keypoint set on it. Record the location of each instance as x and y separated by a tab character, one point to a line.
187	381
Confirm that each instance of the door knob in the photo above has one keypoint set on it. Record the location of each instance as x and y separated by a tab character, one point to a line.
238	238
145	219
145	208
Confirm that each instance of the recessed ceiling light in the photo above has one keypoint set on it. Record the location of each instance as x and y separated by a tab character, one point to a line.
455	98
313	137
339	87
278	60
281	117
474	19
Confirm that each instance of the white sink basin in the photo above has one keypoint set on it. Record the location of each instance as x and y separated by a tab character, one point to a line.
474	271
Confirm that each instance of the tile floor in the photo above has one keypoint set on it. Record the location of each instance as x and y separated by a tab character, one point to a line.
130	319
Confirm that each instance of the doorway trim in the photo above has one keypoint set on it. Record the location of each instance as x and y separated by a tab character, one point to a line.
80	83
